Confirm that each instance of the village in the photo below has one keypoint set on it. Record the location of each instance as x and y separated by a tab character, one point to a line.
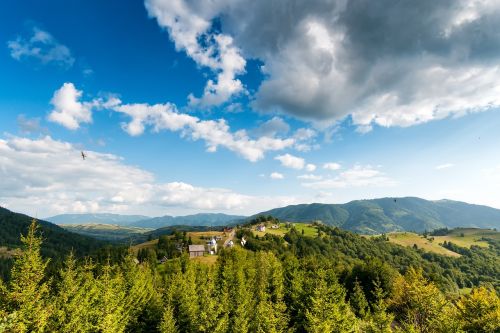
204	246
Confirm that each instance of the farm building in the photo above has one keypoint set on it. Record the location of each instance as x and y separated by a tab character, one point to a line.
275	226
196	250
261	227
212	246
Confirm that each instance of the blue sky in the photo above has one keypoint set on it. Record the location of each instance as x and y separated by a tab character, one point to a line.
238	107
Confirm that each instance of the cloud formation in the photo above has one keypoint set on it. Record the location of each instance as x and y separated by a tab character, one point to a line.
332	166
290	161
190	28
41	46
276	175
357	176
386	63
50	175
70	112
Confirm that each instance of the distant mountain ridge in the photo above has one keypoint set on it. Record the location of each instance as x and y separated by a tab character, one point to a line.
202	219
392	214
102	218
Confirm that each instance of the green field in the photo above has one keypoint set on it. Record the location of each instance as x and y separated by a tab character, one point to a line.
410	238
309	230
470	237
106	231
461	237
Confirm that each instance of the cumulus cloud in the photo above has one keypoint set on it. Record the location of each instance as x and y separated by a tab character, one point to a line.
42	46
444	166
357	176
290	161
384	63
215	133
47	176
276	175
332	166
190	28
68	110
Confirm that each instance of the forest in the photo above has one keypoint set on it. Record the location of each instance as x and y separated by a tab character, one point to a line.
333	282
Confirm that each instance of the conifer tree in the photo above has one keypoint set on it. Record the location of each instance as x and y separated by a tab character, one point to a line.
328	311
76	299
186	298
168	324
112	299
358	301
29	292
379	320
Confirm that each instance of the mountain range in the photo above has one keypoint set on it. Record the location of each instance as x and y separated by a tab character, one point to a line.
103	218
205	220
372	216
392	214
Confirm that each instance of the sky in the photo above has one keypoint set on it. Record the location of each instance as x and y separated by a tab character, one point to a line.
233	106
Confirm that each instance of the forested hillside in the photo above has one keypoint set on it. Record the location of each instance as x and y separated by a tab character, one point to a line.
392	214
57	242
334	281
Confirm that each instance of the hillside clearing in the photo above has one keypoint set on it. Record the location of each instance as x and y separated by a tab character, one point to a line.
410	239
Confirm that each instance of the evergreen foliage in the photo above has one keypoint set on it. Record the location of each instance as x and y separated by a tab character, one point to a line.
306	285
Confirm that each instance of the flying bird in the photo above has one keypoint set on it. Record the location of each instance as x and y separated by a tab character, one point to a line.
83	155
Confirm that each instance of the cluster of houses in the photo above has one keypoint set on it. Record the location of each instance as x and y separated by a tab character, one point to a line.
262	227
209	248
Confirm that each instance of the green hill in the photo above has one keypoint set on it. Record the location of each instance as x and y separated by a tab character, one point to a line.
392	214
57	241
111	232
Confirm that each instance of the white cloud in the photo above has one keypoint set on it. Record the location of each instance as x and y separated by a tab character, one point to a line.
215	133
42	46
310	167
357	176
276	175
189	26
310	177
291	161
68	110
45	176
272	127
326	61
332	166
444	166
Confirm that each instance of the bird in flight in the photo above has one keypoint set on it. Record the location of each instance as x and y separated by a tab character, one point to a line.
83	155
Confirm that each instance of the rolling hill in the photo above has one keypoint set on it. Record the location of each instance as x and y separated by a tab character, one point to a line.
105	218
392	214
56	241
109	232
207	219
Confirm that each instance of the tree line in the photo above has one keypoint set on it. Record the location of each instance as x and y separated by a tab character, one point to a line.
263	290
